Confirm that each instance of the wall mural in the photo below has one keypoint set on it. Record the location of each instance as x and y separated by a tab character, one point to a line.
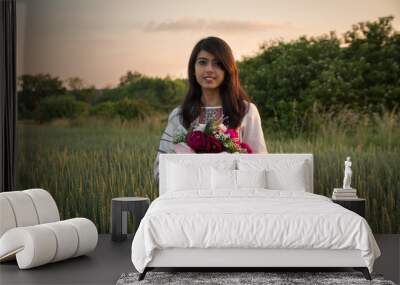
331	95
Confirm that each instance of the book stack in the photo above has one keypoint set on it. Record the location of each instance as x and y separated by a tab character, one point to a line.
344	194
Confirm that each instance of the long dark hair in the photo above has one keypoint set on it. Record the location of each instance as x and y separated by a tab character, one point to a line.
234	98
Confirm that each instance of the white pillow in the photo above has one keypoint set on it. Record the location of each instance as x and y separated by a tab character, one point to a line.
227	179
224	179
289	177
282	174
251	178
183	177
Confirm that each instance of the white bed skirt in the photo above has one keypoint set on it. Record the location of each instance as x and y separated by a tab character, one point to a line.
193	257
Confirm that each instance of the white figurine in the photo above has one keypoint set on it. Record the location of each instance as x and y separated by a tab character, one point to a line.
347	174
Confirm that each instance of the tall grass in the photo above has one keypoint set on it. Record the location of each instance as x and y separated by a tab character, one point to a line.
85	163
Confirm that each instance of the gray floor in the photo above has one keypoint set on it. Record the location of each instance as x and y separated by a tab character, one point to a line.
389	262
103	266
110	260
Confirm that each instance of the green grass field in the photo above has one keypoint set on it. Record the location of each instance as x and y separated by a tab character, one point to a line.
85	163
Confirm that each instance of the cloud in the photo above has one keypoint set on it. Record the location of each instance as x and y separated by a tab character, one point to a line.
232	26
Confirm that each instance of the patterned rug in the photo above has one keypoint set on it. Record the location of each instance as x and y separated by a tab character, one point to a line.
275	278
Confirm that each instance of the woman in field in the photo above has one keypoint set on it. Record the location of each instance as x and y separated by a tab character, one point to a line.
214	93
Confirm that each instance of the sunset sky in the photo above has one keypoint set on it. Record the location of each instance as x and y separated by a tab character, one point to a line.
100	40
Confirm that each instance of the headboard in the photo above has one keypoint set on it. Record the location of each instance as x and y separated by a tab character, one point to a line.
232	160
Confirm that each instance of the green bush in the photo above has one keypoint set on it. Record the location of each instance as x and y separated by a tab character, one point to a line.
63	106
32	89
106	110
126	109
291	81
129	109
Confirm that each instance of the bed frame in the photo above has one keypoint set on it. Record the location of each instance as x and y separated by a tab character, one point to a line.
246	258
242	259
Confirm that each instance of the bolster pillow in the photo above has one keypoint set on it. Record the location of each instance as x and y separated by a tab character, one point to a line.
40	244
26	208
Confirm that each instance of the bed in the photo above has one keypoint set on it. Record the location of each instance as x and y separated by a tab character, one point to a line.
242	211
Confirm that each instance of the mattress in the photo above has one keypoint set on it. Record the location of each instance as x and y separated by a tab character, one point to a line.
250	219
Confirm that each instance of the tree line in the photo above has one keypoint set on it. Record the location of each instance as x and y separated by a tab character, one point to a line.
43	97
289	81
292	82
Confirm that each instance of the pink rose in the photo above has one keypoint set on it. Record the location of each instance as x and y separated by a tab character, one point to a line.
232	133
246	147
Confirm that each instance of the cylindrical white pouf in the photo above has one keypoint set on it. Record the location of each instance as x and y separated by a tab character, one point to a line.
45	205
34	245
87	233
6	215
67	239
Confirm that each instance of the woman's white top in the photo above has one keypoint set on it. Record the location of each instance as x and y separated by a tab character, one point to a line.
250	132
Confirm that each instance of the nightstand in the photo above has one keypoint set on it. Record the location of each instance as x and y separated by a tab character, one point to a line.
355	205
119	215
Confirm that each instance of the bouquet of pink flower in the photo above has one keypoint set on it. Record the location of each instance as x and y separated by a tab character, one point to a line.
211	138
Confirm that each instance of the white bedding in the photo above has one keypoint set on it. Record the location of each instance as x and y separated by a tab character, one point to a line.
251	218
